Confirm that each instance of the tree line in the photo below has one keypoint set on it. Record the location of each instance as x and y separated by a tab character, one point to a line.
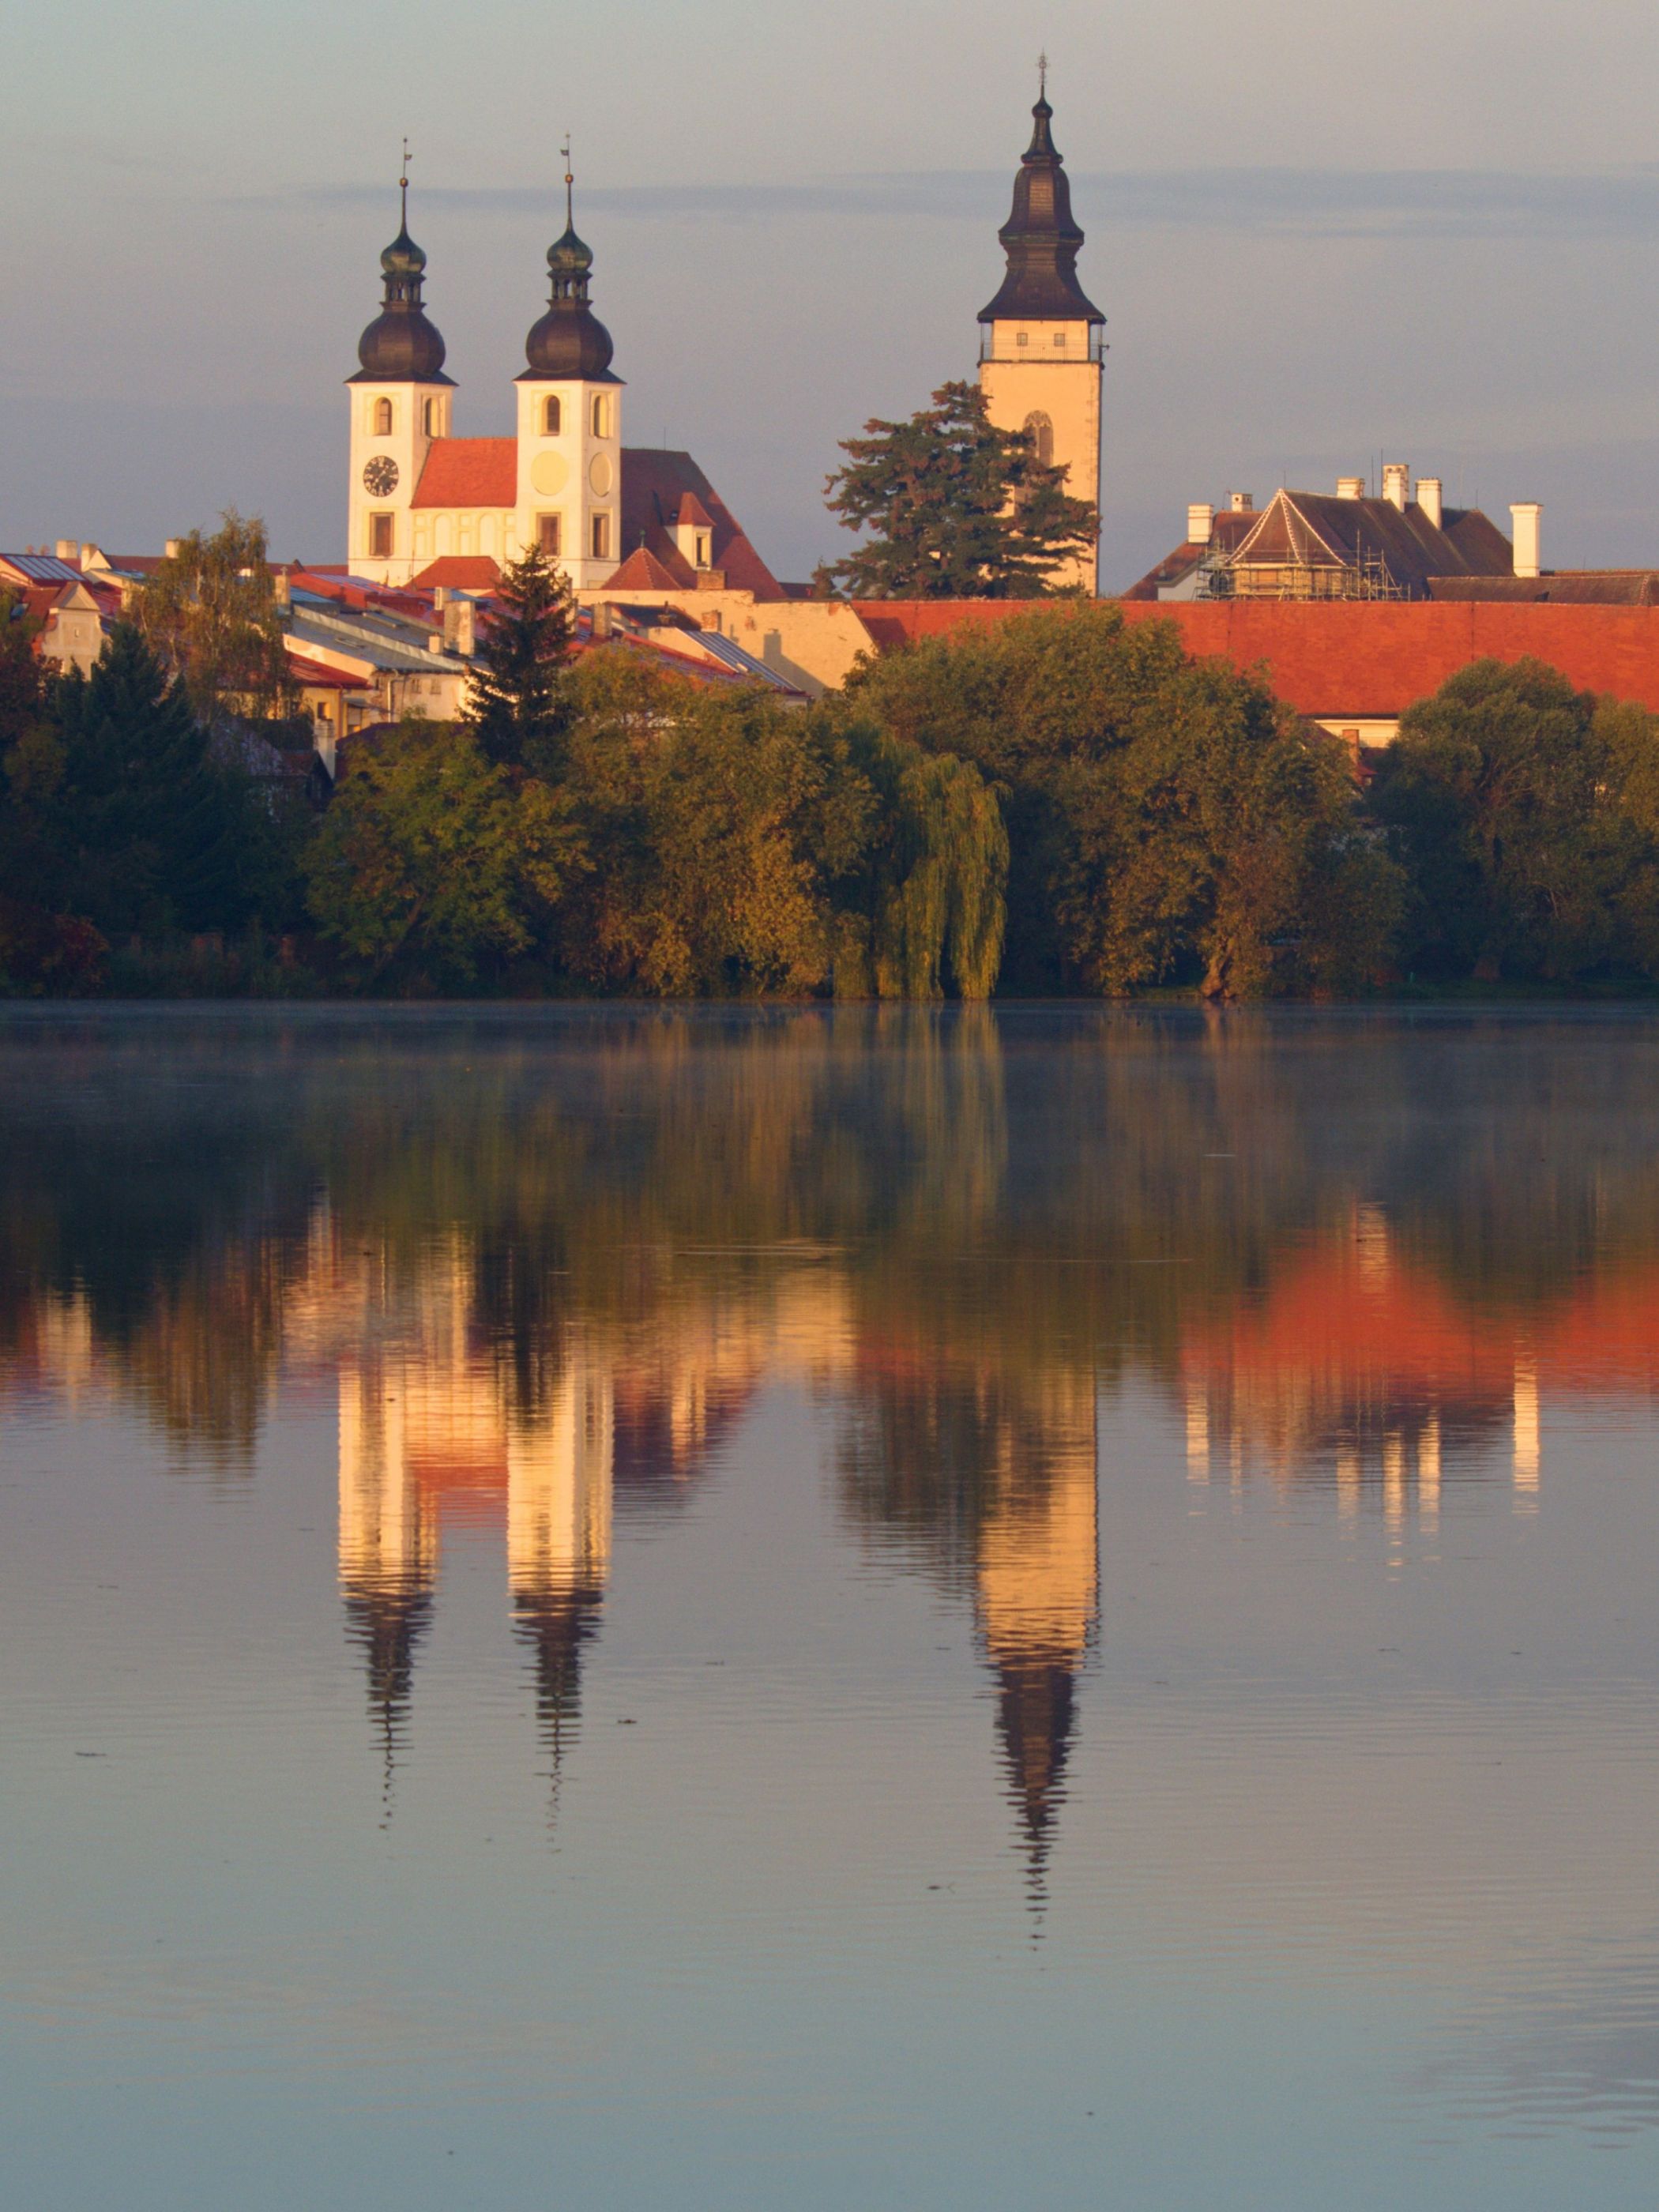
1064	803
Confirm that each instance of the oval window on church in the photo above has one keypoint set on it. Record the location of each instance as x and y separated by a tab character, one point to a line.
1041	431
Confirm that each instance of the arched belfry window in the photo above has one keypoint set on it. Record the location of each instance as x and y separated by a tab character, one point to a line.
429	417
383	418
1041	431
601	416
552	417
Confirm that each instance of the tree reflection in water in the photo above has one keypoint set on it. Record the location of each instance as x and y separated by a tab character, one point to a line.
547	1264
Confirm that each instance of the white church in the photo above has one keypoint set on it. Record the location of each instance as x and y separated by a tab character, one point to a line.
430	508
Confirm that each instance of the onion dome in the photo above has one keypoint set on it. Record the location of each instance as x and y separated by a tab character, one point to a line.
569	343
401	346
1042	239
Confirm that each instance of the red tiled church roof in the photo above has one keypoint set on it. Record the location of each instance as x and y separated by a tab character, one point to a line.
469	472
460	572
656	482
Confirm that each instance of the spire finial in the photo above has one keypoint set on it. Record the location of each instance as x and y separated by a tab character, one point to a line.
402	184
1042	76
570	180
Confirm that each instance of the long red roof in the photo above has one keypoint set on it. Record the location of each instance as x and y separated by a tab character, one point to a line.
1369	658
469	472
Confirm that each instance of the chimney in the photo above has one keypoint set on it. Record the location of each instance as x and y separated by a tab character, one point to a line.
174	548
282	590
466	612
1200	524
1351	487
68	548
1523	522
1396	483
1241	502
439	598
1428	498
600	615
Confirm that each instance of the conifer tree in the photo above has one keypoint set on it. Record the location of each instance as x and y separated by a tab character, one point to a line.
517	705
959	508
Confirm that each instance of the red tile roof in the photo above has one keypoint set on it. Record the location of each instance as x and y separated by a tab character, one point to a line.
1367	658
693	514
643	572
318	676
460	572
469	472
654	486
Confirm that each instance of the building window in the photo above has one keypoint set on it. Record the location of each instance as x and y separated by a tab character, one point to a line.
552	417
601	536
383	418
1059	337
548	535
1023	339
429	417
601	416
380	537
1041	432
702	550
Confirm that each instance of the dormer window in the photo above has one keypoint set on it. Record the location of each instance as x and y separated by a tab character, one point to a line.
552	417
703	550
383	418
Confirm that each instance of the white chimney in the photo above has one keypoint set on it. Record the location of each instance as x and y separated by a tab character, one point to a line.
1428	498
174	548
1523	522
439	598
1351	487
1396	483
281	589
68	548
1200	524
1241	502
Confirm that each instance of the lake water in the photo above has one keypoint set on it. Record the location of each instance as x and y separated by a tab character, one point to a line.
631	1608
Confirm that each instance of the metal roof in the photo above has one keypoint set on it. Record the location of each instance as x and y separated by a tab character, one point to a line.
42	568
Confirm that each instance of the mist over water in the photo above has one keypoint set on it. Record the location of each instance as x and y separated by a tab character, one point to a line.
878	1605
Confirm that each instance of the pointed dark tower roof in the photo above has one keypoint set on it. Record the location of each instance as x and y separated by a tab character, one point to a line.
401	345
1040	238
556	1624
1036	1703
569	341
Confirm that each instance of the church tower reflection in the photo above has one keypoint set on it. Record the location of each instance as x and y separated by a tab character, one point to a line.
388	1542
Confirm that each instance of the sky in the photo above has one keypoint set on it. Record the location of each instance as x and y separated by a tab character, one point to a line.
1322	238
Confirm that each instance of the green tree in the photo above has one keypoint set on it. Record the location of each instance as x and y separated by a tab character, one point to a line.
210	614
517	704
956	508
433	864
1169	822
1517	808
149	832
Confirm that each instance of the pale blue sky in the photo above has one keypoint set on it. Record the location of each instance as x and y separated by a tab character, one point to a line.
1315	234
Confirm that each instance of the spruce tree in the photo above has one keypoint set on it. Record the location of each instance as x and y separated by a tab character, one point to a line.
959	508
517	704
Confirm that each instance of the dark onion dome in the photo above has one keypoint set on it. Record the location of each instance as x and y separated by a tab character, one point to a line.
570	342
400	346
1041	241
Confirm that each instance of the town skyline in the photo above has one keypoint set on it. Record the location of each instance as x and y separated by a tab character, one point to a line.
1410	273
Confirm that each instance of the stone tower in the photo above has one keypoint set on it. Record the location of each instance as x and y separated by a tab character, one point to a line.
400	402
1040	343
570	461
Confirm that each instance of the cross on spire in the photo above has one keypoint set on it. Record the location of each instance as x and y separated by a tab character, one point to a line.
403	184
1042	76
570	180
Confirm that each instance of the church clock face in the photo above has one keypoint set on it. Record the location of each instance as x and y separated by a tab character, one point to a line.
380	476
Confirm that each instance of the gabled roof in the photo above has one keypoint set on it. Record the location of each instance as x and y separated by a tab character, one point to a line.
469	472
643	572
693	514
1317	530
460	572
654	483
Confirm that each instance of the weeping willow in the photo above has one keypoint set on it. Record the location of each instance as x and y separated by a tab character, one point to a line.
938	901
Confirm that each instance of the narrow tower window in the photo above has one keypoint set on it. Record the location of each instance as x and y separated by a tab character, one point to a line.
548	535
383	418
1041	431
601	536
601	416
380	537
429	417
552	419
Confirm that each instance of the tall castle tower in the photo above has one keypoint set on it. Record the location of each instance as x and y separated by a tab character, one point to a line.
569	463
1040	344
400	402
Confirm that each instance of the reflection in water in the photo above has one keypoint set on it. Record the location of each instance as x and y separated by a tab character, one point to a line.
550	1272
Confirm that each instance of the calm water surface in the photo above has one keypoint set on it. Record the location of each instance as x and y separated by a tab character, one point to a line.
635	1609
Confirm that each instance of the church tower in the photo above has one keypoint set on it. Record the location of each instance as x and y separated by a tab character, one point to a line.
1040	343
569	462
400	402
